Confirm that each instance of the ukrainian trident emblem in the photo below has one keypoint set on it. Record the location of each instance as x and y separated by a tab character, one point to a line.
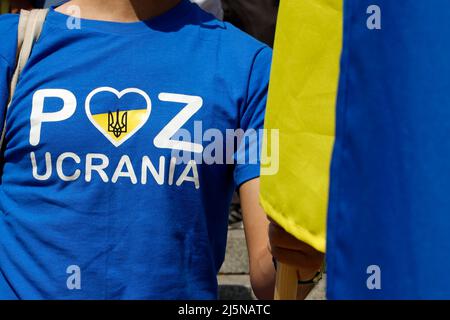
117	124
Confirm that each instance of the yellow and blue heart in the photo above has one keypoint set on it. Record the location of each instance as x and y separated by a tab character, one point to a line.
118	115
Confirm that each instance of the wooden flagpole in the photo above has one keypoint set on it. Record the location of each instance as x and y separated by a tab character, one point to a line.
286	282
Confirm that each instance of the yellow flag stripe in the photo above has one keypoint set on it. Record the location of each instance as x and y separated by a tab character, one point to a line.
301	104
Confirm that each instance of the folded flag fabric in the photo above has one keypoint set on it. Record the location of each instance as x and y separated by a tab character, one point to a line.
301	105
389	217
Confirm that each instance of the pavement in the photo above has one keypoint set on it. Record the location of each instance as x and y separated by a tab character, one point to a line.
234	281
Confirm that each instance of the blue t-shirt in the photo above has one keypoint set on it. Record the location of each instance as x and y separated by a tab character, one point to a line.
94	200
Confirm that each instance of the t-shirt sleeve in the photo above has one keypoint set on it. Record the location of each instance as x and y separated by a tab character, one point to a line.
252	119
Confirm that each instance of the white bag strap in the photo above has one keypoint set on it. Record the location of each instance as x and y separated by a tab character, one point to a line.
29	30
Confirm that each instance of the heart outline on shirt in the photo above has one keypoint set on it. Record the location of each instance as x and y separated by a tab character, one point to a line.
118	94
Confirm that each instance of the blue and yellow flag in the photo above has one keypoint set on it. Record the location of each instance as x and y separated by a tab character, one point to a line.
301	105
388	203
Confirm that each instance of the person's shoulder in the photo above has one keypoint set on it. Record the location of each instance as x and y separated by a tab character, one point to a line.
9	21
241	39
237	44
228	35
244	50
8	30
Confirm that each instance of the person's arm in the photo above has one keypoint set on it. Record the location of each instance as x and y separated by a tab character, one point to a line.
266	239
256	226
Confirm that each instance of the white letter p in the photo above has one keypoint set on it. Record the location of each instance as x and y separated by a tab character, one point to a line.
37	113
